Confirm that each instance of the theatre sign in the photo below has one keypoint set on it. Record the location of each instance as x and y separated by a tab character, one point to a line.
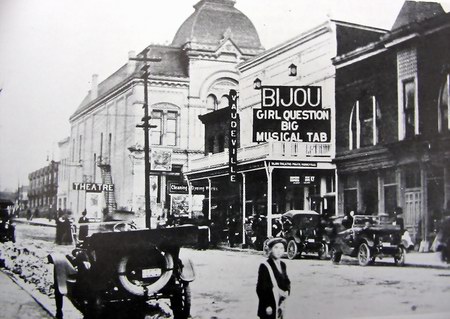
291	114
93	187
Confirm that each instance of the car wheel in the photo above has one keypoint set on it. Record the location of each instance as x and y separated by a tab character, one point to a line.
181	302
135	287
364	257
323	251
335	255
400	257
292	249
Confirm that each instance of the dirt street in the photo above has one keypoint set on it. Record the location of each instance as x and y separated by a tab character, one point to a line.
225	286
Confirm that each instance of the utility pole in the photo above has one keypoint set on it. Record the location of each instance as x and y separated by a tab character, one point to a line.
146	127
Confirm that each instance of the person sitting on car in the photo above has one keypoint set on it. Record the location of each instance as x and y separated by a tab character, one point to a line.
347	222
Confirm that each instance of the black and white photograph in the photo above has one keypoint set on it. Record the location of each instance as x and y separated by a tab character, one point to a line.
224	159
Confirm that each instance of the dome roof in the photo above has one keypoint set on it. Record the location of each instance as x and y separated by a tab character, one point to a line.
212	21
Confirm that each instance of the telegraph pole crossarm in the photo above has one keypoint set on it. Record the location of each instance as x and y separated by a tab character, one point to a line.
146	127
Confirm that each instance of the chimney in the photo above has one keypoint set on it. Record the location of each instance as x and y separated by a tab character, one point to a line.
94	86
131	64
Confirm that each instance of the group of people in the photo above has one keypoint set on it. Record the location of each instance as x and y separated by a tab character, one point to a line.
65	228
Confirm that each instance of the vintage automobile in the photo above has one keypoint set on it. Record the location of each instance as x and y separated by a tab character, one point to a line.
367	237
303	233
7	228
126	274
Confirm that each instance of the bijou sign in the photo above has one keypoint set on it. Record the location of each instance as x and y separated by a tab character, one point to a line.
291	114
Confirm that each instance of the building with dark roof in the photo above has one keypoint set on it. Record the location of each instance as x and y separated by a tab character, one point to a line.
274	176
43	187
392	125
194	76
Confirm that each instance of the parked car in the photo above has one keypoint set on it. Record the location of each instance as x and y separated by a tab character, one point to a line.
119	274
303	233
366	238
7	228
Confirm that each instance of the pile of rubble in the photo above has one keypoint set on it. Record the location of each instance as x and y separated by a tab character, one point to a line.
29	262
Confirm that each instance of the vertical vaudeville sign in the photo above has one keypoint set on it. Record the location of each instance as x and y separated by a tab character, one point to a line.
232	137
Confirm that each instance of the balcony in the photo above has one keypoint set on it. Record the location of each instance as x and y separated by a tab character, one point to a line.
300	151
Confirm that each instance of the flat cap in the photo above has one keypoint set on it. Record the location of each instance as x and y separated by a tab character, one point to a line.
273	241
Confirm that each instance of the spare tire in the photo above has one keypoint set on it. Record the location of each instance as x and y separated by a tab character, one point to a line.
142	290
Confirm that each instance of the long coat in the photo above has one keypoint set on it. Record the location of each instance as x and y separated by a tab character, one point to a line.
264	287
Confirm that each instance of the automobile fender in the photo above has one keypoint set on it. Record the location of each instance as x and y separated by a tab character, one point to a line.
187	270
63	271
326	239
368	241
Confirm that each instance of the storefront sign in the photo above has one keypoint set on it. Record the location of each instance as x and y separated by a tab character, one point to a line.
161	159
232	145
93	187
291	114
292	164
302	179
175	188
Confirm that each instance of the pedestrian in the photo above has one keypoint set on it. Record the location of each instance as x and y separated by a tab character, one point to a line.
28	214
84	229
398	218
66	229
273	286
36	214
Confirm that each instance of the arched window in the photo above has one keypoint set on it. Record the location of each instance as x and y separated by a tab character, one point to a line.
223	101
443	105
364	122
211	102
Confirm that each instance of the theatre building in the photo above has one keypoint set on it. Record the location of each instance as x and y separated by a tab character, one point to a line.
193	77
256	170
392	131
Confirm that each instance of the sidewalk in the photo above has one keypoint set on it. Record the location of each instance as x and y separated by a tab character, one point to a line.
413	259
36	221
17	303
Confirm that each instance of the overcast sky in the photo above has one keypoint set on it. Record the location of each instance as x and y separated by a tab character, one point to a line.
50	48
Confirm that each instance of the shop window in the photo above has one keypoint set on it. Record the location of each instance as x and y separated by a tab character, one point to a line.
444	105
350	194
221	143
369	193
412	176
390	190
409	109
330	184
364	122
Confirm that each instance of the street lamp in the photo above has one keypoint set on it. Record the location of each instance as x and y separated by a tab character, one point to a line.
257	84
292	70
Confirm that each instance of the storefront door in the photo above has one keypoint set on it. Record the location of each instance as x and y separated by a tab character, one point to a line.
413	204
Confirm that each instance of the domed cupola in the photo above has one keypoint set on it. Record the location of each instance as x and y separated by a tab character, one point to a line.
214	20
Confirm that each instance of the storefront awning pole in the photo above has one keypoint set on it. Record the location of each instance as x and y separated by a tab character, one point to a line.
269	198
209	199
244	200
190	195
